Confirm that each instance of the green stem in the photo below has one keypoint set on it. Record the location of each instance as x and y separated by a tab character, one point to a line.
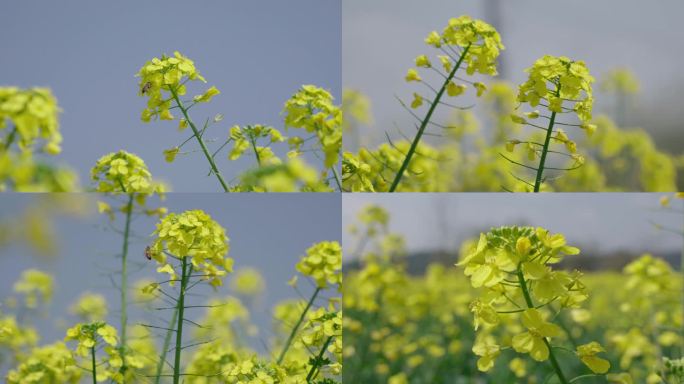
545	150
567	330
316	365
167	342
92	354
256	153
10	138
124	281
681	270
179	327
299	323
530	304
210	159
426	120
578	378
337	178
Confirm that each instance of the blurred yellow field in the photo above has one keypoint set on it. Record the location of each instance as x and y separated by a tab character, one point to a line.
503	315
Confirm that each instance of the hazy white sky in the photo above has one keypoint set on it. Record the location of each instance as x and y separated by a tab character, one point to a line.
603	221
381	38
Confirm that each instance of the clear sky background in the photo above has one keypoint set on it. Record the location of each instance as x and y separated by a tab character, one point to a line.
268	232
601	221
257	52
381	38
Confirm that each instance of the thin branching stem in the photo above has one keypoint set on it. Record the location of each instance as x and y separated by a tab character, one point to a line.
299	323
167	338
210	159
165	348
681	270
179	329
252	140
337	178
10	138
547	141
92	356
313	372
425	121
530	304
124	281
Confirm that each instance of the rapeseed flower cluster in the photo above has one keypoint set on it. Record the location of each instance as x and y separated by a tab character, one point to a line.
193	235
323	263
312	109
558	80
516	262
324	330
291	176
52	363
372	171
163	79
89	338
123	172
29	118
480	39
16	336
248	136
31	115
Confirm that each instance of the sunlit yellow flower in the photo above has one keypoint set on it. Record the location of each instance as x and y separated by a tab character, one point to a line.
195	235
123	172
313	110
488	352
33	115
323	263
534	340
587	354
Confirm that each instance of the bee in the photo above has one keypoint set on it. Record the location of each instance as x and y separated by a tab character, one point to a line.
146	87
148	253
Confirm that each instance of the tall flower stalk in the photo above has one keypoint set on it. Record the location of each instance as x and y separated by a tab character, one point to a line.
564	88
297	325
163	81
165	346
312	109
467	44
197	243
90	338
512	262
124	276
123	173
322	263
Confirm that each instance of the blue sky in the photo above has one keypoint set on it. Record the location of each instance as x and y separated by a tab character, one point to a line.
257	52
